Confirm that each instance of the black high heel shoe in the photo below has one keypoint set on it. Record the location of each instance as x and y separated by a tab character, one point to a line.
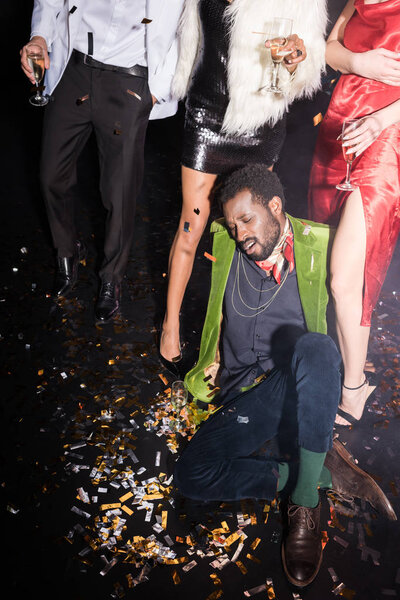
174	366
370	380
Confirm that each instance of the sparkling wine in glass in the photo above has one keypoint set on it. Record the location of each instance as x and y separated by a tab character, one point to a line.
280	31
348	125
179	397
35	58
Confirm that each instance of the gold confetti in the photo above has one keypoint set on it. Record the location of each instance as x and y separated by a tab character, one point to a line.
241	567
163	378
317	119
253	558
175	577
164	517
215	595
368	530
132	93
216	579
110	506
232	538
324	538
210	257
270	590
176	561
153	496
126	497
255	543
347	593
127	510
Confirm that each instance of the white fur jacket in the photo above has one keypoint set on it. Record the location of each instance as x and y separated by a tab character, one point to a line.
249	62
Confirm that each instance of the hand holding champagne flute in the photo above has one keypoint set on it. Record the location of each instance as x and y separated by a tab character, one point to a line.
35	56
348	154
277	41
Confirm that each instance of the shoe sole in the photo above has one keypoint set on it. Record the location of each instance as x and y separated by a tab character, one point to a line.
110	318
106	321
59	297
346	456
295	582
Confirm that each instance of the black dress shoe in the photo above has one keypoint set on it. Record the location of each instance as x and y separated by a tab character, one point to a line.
67	271
302	547
108	302
351	481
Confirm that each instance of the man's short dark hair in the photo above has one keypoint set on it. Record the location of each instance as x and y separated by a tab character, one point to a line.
262	184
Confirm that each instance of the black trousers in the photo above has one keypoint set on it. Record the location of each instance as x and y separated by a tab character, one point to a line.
117	107
219	462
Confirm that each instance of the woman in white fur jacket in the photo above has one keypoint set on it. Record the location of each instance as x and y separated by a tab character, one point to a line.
230	121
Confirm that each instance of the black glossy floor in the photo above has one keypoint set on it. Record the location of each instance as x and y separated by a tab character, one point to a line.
83	437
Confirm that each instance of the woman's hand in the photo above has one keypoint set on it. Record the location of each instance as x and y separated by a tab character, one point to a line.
297	49
378	64
357	139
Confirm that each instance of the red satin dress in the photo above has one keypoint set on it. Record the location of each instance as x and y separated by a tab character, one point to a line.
377	170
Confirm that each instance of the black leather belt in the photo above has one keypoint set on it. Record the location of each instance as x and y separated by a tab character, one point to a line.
136	70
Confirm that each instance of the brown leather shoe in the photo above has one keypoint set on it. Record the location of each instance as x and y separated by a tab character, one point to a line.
302	547
349	480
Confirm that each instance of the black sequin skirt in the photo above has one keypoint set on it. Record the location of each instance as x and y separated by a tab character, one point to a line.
205	147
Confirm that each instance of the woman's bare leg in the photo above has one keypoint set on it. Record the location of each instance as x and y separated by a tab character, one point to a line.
196	188
347	281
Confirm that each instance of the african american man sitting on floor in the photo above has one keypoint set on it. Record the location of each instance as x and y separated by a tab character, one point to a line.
266	356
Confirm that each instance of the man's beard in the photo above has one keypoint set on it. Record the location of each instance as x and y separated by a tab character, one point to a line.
266	248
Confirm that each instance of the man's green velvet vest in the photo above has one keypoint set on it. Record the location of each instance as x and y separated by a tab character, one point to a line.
311	242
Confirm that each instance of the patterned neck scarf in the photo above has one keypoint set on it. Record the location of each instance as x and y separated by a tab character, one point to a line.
283	251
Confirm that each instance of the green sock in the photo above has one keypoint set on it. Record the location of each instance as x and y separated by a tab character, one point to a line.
283	476
306	493
325	479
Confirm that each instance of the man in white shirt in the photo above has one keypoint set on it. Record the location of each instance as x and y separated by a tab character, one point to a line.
109	66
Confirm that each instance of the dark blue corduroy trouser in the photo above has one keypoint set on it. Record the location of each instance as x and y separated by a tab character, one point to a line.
217	463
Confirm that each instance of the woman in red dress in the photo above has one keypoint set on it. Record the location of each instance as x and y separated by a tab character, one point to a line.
364	46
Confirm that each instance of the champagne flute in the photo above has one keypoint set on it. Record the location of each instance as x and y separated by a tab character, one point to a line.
348	125
280	31
179	396
35	58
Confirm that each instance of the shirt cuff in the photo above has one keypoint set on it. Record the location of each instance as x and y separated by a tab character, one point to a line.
48	42
157	92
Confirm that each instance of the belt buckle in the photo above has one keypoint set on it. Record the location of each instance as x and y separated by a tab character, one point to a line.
85	57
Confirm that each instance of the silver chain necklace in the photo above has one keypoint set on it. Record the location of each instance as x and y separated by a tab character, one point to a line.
236	284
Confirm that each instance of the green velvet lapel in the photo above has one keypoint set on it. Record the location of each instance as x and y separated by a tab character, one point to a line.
223	250
311	242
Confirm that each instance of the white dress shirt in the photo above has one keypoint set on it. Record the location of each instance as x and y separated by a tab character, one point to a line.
117	30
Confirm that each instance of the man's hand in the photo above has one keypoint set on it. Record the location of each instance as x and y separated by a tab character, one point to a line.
39	41
154	99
